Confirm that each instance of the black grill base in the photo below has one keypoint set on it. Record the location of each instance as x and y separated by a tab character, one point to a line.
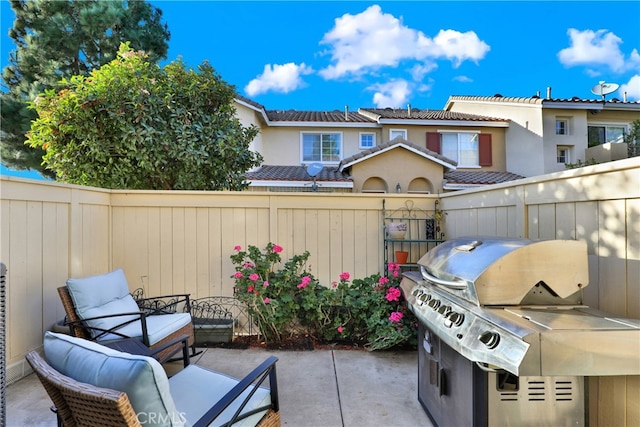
454	392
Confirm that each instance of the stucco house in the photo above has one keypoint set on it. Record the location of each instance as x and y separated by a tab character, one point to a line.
546	133
473	141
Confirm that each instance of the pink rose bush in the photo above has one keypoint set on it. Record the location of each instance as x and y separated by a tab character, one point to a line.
370	312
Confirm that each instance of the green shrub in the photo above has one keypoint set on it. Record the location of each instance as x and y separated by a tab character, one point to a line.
286	299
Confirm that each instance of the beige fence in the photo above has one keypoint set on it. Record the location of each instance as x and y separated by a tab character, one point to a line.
181	242
169	242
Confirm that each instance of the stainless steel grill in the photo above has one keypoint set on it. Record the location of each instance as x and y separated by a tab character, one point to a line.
503	315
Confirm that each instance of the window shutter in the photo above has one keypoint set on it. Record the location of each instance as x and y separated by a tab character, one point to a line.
433	142
485	158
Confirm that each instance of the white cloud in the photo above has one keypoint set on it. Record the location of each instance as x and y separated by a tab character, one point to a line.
393	94
597	48
373	39
463	79
418	71
459	47
632	87
278	78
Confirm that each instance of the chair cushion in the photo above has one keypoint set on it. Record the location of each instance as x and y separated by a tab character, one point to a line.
196	390
158	327
142	378
103	295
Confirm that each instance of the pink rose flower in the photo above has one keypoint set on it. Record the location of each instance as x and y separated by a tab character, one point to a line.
302	285
393	294
254	276
250	289
237	248
265	284
340	329
238	275
393	266
396	317
267	300
344	276
306	280
248	265
277	249
383	280
396	273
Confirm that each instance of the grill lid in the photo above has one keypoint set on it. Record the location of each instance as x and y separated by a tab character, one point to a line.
499	271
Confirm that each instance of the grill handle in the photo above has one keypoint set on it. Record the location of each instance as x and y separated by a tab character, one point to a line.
486	368
453	284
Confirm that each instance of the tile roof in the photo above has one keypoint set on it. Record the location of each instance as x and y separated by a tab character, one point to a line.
295	173
389	144
250	102
461	177
417	114
539	100
316	116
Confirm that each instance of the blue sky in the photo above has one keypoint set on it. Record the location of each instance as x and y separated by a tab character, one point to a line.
326	55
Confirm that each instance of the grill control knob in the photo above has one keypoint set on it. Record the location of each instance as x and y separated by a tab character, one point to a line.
454	319
425	297
490	339
434	304
444	310
416	291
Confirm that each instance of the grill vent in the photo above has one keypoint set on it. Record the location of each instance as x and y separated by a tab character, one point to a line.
564	390
536	391
539	389
558	390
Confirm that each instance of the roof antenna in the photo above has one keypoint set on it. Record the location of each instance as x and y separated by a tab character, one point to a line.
313	170
604	89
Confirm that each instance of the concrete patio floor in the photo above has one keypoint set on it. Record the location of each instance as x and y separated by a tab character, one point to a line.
319	388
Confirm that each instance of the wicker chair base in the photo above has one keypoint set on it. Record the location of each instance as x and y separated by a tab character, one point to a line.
80	404
271	419
164	354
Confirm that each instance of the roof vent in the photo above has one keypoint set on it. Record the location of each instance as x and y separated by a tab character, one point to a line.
346	112
497	95
549	92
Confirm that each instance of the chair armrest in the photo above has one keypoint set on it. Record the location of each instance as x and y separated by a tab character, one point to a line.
142	316
185	349
260	373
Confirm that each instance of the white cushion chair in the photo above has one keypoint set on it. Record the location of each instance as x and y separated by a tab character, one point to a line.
101	308
91	384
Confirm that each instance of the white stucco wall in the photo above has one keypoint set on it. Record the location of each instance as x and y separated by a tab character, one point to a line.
523	138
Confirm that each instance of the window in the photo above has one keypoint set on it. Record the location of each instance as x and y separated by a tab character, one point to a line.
602	134
394	133
563	155
321	147
562	127
367	140
461	147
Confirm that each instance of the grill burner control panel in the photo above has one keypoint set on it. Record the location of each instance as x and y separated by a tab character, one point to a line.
456	324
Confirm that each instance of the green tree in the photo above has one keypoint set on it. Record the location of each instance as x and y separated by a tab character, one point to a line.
62	38
134	125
